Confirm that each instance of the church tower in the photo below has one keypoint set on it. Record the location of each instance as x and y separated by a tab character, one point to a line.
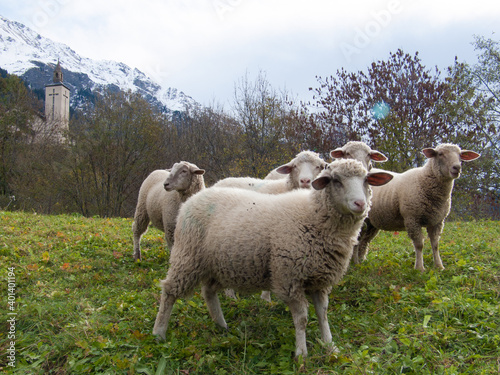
57	101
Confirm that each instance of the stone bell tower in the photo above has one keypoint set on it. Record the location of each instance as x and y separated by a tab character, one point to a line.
57	102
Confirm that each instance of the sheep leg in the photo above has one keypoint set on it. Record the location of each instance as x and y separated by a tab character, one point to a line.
179	283
140	225
368	233
209	293
169	229
298	308
166	304
320	301
415	233
434	233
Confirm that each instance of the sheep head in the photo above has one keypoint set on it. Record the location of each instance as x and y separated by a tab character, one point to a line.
348	183
359	151
447	159
303	169
181	176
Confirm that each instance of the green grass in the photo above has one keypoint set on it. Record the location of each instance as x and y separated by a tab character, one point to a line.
83	306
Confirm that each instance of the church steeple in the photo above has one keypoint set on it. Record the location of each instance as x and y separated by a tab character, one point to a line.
58	74
57	101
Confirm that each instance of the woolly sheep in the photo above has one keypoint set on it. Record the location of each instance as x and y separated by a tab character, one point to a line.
300	171
297	173
160	197
358	151
294	244
351	150
419	197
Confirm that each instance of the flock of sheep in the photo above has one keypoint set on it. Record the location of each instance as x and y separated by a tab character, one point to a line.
293	233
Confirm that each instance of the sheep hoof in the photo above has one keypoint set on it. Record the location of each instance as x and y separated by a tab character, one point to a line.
331	348
159	336
230	293
266	296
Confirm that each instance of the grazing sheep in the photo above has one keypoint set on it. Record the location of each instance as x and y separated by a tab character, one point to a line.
358	151
419	197
294	244
160	197
300	171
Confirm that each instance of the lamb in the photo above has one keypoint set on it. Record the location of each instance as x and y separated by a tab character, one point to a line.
160	197
294	244
419	197
359	151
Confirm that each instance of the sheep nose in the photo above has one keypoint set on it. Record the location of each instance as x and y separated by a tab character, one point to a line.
305	181
455	170
166	185
360	205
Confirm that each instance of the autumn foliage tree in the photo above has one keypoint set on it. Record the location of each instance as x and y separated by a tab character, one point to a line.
395	107
474	108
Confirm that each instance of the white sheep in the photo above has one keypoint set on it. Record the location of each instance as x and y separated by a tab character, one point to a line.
358	151
160	197
419	197
297	173
294	244
300	171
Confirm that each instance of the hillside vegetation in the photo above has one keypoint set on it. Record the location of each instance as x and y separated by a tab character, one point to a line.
83	306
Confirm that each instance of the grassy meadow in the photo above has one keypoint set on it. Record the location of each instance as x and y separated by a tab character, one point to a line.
82	305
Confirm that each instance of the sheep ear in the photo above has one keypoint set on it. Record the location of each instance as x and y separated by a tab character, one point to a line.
378	156
199	171
285	169
321	182
467	155
337	153
379	178
429	152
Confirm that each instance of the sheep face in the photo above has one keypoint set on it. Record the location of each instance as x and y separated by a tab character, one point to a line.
181	175
359	151
347	184
447	159
303	169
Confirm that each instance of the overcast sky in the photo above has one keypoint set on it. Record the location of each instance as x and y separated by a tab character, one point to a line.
203	47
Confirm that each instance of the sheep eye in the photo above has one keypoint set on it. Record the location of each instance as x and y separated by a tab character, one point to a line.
336	181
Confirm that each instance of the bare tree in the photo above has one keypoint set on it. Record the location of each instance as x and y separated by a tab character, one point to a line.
113	147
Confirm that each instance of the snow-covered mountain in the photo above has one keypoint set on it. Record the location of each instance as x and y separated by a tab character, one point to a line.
29	55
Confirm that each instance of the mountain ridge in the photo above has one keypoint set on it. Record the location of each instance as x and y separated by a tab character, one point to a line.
33	57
